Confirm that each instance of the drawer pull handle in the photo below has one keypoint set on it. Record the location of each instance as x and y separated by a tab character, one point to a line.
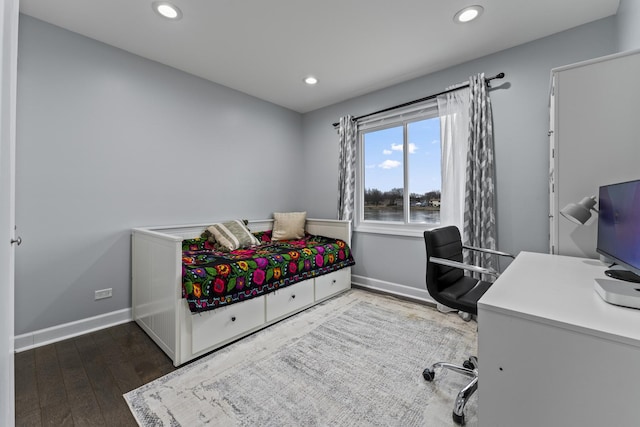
333	282
293	296
233	318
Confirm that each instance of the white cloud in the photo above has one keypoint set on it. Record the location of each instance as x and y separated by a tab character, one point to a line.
389	164
386	152
398	147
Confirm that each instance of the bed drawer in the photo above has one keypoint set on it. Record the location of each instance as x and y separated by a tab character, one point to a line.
333	283
215	326
289	299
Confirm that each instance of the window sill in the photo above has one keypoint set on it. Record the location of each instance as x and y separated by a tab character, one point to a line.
413	230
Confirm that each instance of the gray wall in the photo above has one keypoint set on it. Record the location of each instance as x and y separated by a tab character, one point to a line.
628	25
521	118
108	141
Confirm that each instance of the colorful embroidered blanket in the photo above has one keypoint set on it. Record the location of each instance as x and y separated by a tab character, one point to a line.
212	279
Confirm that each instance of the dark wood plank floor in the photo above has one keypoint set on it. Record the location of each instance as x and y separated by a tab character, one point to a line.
80	381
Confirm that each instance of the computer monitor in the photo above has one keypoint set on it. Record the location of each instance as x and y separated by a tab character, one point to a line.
619	228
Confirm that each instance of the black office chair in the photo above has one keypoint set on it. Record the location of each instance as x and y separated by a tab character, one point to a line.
448	285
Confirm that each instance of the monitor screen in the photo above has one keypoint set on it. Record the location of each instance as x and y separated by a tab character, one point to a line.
619	224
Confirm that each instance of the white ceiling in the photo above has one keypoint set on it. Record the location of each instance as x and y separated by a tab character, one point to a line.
266	47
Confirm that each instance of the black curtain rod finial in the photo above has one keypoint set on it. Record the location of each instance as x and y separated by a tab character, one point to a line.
487	80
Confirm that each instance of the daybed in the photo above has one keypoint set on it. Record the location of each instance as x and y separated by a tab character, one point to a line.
186	324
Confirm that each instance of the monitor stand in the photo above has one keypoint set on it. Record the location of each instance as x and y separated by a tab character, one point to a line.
625	275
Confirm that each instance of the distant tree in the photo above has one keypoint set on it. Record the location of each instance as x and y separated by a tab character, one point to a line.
432	195
394	196
396	192
373	196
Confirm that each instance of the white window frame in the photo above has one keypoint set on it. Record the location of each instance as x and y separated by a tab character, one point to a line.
422	111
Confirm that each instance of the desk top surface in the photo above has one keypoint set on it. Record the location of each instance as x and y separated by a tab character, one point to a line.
559	290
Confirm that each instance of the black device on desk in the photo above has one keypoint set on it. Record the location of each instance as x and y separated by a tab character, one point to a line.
625	275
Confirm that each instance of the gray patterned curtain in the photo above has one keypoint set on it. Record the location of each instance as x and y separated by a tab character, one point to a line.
348	132
480	201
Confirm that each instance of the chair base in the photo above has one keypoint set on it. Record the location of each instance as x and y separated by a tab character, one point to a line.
469	369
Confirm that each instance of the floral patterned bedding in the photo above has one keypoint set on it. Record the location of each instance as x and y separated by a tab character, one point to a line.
212	279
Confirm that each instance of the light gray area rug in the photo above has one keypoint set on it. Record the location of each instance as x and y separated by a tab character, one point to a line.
354	360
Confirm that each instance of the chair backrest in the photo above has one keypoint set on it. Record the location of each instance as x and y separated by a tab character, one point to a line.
444	242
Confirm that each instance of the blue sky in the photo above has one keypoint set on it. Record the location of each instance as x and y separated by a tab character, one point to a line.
384	157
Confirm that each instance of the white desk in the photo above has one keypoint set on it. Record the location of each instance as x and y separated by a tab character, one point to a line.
552	352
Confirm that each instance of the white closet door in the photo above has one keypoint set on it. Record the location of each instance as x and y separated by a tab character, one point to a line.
8	71
595	140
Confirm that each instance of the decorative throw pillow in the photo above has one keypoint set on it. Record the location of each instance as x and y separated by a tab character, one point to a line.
232	235
288	225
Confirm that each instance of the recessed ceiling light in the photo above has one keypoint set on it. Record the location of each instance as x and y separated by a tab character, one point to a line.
310	80
167	10
468	14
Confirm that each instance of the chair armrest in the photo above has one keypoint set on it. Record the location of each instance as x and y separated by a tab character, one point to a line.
456	264
489	251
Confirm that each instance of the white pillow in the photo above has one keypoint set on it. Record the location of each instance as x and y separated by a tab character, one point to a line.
288	225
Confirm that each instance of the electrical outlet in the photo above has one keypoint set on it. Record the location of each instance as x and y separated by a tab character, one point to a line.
104	293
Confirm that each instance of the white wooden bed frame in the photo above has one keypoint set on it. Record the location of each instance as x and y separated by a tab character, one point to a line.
160	310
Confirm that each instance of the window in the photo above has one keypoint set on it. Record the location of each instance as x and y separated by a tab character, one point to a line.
399	172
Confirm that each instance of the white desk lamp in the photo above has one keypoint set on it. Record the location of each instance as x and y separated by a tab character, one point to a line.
580	212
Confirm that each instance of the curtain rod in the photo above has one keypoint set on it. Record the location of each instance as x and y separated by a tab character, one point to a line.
426	98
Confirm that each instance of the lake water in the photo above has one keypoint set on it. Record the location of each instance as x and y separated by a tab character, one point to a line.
419	216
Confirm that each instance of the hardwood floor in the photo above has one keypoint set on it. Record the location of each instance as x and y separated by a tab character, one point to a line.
80	381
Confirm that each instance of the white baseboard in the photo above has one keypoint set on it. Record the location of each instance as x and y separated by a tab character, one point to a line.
69	330
392	288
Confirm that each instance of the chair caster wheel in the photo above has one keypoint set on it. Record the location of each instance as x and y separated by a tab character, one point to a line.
458	419
428	374
470	363
465	316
